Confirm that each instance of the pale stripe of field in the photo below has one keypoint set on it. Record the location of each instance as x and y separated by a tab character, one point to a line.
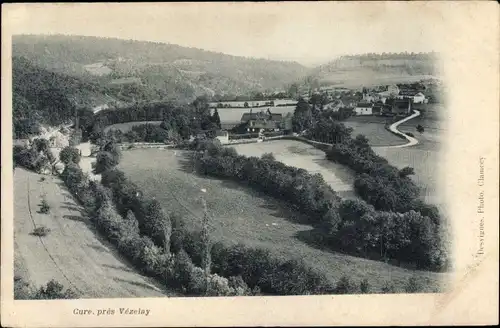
304	156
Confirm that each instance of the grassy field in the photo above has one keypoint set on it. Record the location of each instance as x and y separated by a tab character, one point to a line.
125	127
433	119
72	252
373	127
243	215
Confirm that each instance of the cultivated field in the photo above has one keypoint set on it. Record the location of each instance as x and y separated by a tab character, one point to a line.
243	215
72	252
125	127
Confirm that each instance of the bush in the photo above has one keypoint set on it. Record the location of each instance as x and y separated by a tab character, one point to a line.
219	286
41	231
258	268
345	286
54	290
70	154
388	288
197	281
413	285
364	286
22	290
44	206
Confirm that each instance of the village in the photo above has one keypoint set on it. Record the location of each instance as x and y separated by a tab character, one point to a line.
273	116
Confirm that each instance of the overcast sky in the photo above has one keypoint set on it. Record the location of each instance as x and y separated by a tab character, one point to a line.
310	33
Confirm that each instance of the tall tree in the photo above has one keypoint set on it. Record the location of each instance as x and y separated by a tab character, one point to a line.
216	118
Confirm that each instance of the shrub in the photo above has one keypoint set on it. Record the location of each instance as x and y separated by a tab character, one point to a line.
258	268
413	285
364	286
388	288
197	284
22	290
41	231
219	286
268	157
69	154
345	286
54	290
44	206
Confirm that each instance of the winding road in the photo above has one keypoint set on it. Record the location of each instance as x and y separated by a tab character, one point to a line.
394	128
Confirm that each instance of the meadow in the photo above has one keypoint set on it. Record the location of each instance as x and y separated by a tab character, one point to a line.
373	127
239	214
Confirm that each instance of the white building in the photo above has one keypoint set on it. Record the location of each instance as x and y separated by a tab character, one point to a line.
364	109
419	98
223	136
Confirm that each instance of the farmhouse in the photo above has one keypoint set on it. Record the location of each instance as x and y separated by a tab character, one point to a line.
364	108
266	121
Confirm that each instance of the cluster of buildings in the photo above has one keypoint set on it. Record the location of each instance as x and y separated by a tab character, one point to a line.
396	100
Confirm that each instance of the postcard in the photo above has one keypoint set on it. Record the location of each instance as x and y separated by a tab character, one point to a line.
250	164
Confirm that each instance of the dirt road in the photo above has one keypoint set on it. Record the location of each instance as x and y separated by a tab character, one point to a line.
72	253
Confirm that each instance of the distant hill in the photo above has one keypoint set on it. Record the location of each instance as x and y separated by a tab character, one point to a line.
375	68
165	70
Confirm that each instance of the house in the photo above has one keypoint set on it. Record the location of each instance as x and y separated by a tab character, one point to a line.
364	108
265	121
222	136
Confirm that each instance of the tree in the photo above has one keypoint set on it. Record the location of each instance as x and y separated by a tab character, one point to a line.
205	239
420	128
157	225
69	154
302	117
406	171
104	162
216	118
245	104
293	90
268	157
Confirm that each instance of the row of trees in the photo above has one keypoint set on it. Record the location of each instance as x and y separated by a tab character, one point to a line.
309	192
351	226
160	244
142	232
